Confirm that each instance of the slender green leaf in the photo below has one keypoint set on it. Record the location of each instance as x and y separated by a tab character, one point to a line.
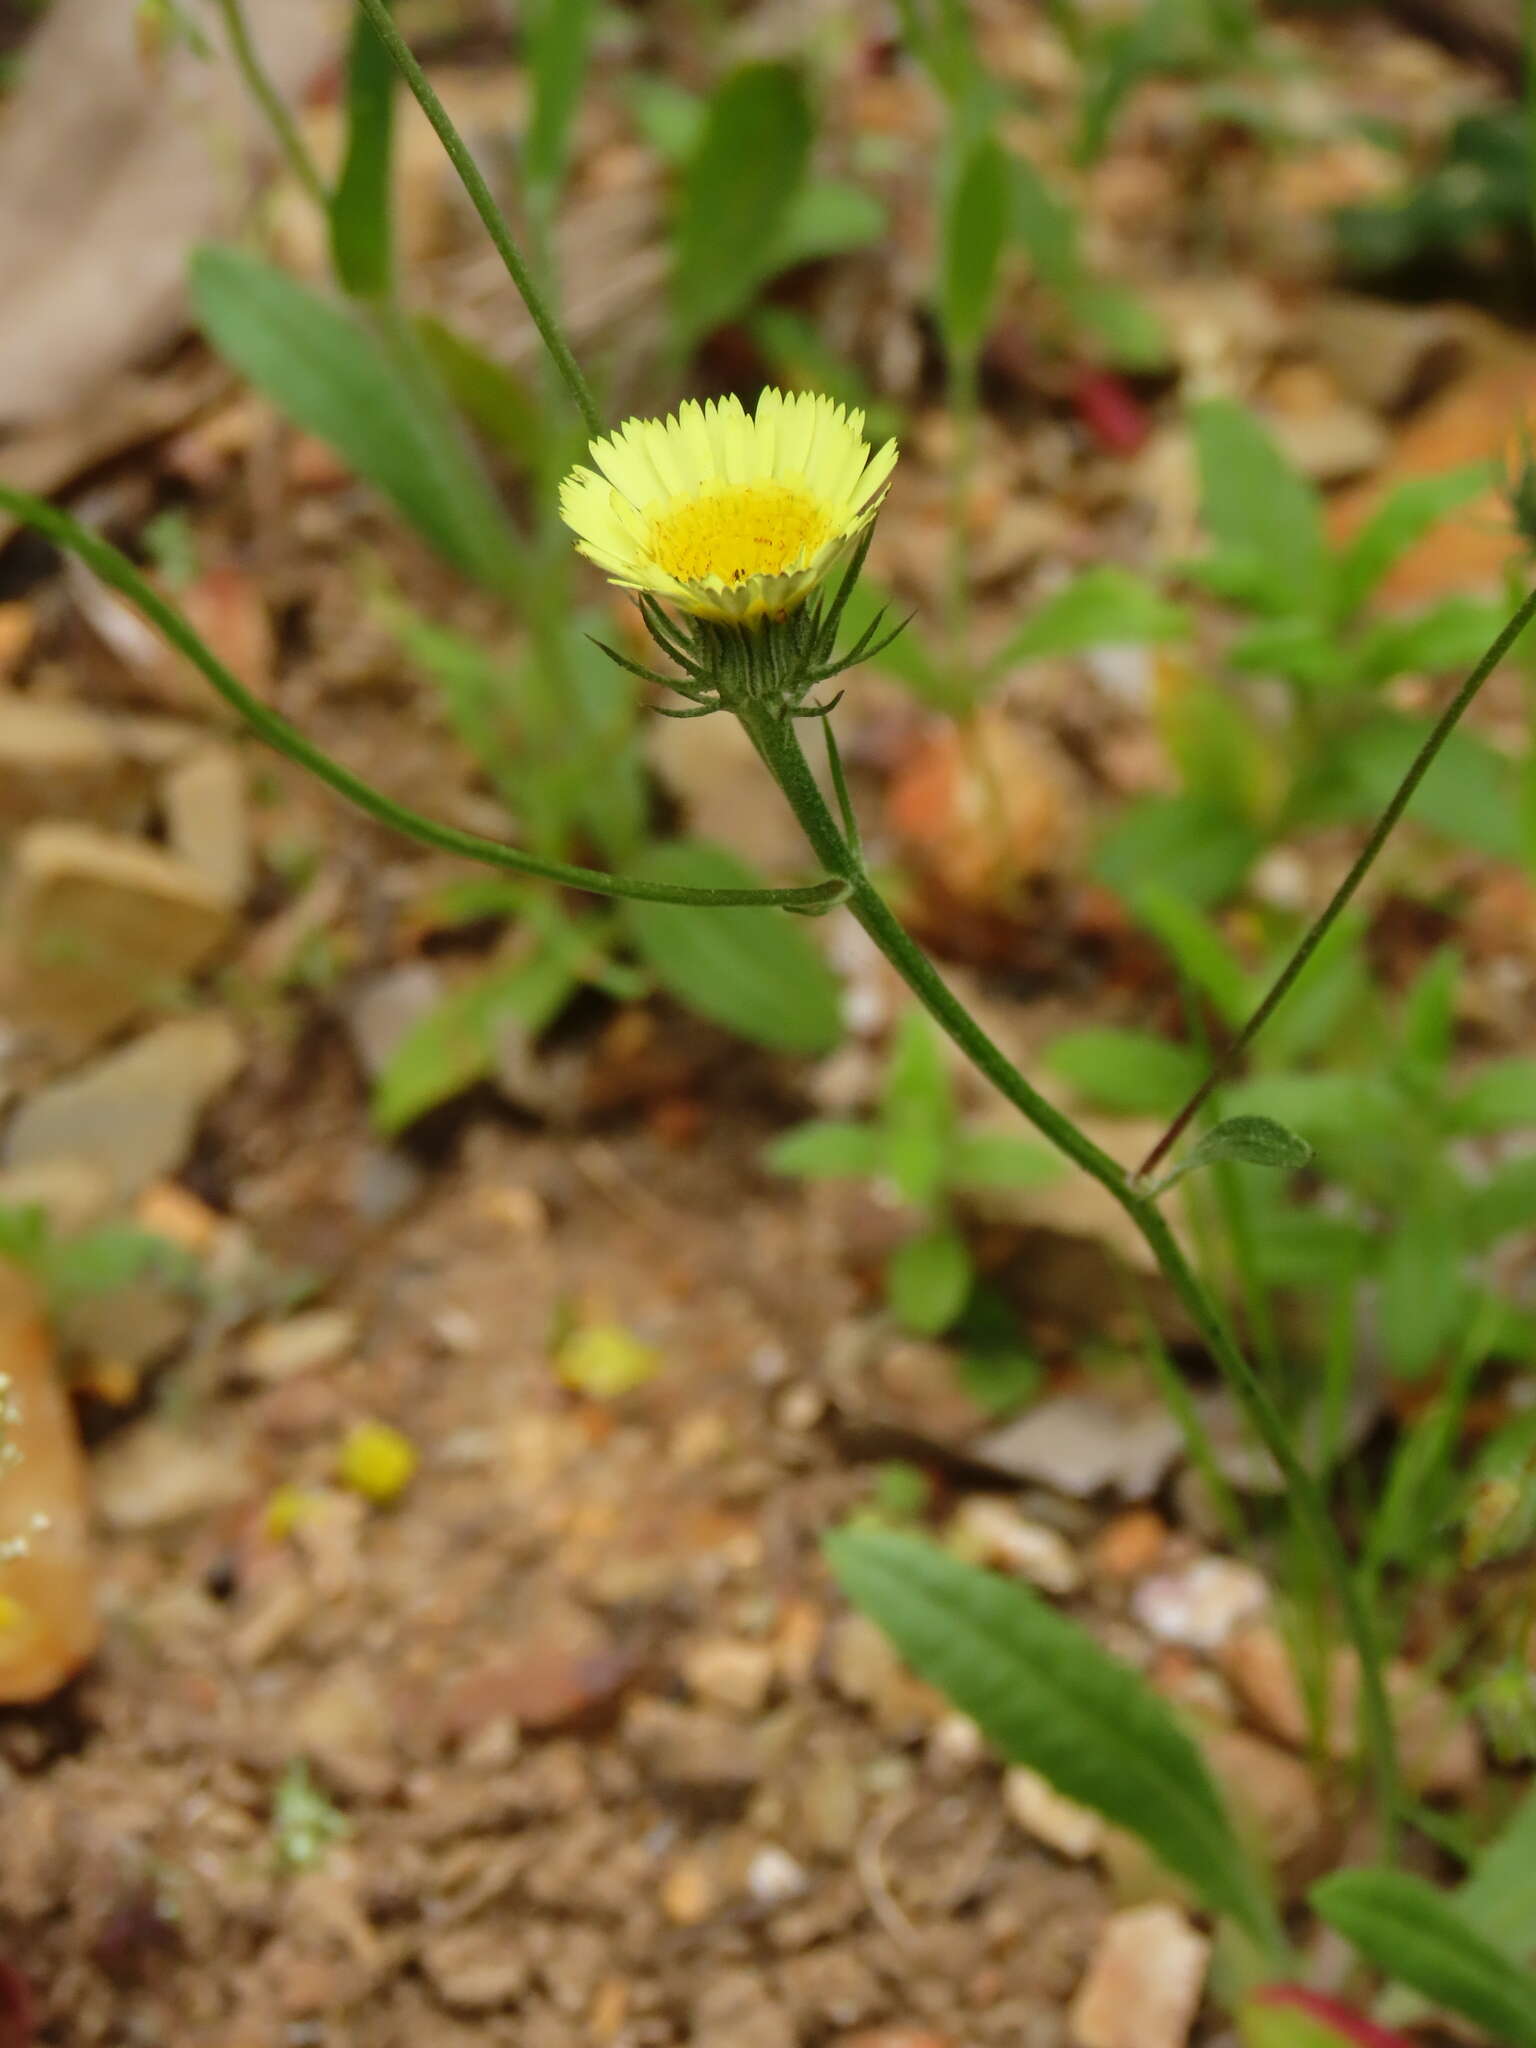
478	689
997	1159
918	1111
1499	1898
454	1045
109	1257
1336	989
668	115
976	225
1195	846
737	194
1470	796
486	391
927	1280
828	218
1404	516
1199	951
759	975
1309	1248
1050	1698
1046	224
1251	1141
1130	1072
1258	508
559	34
829	1150
1129	333
1106	607
1299	648
1500	1096
1422	1286
996	1366
1428	1027
362	239
1504	1202
1450	635
323	368
1414	1933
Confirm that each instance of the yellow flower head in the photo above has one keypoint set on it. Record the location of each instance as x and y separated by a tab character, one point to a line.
728	514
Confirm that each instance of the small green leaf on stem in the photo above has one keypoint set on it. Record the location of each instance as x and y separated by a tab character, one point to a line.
1249	1140
362	240
928	1278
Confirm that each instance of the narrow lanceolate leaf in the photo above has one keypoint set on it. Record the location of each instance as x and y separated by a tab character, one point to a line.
1050	1698
1414	1933
1403	517
976	229
454	1045
927	1280
321	366
1104	607
828	1150
1263	516
558	39
738	191
762	978
1499	1898
1251	1141
361	237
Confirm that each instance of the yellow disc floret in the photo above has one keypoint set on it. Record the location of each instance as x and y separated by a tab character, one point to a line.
727	514
745	530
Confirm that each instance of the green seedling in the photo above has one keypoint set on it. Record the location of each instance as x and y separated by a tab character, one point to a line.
305	1825
917	1149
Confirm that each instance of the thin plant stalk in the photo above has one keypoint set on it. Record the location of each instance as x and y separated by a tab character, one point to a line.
115	570
491	217
1381	831
275	108
779	747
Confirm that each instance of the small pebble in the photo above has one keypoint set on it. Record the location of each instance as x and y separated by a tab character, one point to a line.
1144	1982
996	1534
724	1672
1202	1605
1047	1815
774	1877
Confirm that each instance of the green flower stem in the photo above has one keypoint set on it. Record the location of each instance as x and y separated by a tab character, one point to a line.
115	570
779	746
490	213
271	102
1420	766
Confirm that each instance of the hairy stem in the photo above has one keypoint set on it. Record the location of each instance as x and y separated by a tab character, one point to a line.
273	106
491	216
115	570
777	743
1420	766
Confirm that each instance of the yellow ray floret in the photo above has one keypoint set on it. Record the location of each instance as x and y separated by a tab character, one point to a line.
729	514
